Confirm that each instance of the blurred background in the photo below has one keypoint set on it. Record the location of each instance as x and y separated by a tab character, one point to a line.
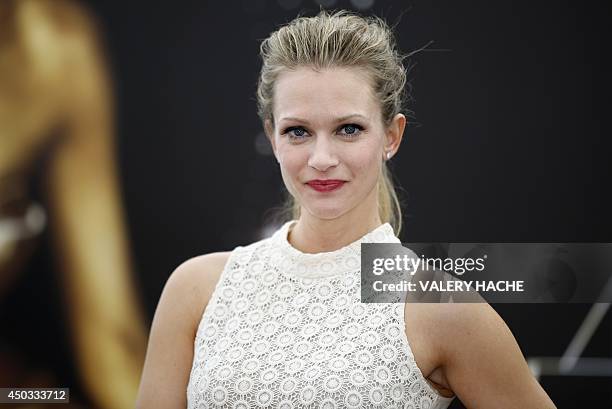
129	142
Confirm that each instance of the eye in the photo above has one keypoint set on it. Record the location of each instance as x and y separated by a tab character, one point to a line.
351	130
295	132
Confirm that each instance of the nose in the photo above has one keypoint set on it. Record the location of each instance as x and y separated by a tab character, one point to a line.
322	156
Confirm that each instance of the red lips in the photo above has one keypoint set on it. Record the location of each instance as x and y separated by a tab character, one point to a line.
326	185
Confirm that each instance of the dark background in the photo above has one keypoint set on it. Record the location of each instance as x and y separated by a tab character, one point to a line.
508	142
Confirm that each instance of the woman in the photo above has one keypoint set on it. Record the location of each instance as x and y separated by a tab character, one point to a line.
279	322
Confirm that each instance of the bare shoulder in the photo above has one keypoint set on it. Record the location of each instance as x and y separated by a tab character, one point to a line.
195	279
201	270
477	323
444	323
452	329
458	318
479	357
170	347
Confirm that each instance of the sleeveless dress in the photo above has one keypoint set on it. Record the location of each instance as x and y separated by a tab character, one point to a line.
286	329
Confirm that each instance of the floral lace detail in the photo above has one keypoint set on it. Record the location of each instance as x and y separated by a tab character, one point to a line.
325	264
286	329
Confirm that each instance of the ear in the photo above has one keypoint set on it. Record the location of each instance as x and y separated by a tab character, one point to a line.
269	130
394	134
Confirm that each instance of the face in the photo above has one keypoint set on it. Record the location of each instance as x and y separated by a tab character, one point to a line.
328	126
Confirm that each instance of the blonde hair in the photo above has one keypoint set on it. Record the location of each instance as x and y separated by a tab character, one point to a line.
339	39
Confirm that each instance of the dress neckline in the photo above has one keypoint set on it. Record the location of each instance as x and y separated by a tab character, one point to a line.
329	263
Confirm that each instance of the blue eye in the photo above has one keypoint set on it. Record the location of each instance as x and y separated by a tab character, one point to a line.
352	130
295	132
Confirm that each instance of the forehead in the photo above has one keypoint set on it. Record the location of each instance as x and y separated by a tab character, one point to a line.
337	91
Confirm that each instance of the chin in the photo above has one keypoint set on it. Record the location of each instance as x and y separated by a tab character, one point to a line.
326	213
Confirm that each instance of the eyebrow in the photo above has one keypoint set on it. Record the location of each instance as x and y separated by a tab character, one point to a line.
339	119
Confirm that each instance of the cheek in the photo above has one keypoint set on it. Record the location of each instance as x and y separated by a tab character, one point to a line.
292	162
364	161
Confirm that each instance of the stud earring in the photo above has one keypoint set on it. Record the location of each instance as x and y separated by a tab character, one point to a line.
388	155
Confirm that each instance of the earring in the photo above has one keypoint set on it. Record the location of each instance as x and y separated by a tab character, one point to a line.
388	155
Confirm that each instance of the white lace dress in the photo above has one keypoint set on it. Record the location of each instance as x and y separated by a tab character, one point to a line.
286	329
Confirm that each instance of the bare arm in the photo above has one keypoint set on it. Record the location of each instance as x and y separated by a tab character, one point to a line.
170	350
482	362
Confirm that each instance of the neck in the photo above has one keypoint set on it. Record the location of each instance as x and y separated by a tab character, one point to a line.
315	235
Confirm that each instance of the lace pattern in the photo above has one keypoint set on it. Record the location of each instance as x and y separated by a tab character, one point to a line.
285	329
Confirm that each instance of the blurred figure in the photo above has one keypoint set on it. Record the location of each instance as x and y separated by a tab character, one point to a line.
56	102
